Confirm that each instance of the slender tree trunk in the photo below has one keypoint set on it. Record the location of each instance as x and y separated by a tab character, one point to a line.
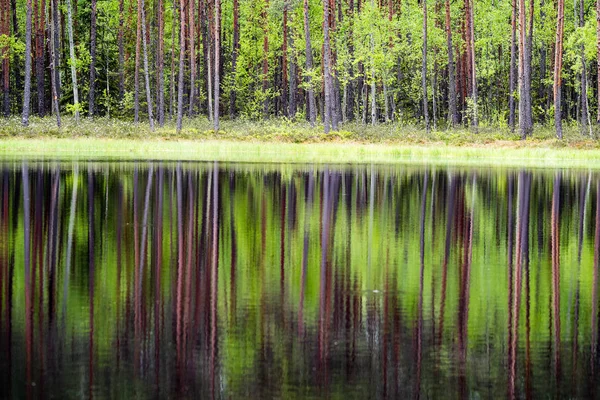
172	83
6	57
72	60
265	61
136	73
558	59
234	56
453	113
40	14
293	83
284	61
424	68
217	36
525	122
598	57
92	97
327	68
27	86
181	65
513	67
121	49
192	49
54	63
312	109
16	59
160	64
56	39
146	69
471	34
584	96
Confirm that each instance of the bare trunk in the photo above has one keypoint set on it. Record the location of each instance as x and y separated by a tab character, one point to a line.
146	71
327	68
217	36
73	60
27	87
160	64
234	55
265	62
424	68
119	44
136	74
54	61
453	114
192	49
560	23
181	65
312	109
92	97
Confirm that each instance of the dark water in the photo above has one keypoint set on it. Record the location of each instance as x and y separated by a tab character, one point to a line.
205	280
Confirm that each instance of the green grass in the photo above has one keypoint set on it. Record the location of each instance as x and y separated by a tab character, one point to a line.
284	141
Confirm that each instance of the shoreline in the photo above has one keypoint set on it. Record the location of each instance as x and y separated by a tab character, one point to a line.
538	154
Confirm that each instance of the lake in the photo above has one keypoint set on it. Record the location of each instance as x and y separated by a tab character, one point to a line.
223	280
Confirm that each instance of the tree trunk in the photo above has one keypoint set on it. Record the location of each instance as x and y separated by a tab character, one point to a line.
40	54
217	36
513	67
598	57
284	61
172	82
424	68
160	65
584	96
312	112
56	38
181	65
192	49
5	58
54	63
121	50
560	23
92	98
27	86
452	112
327	81
234	56
471	34
265	62
293	83
136	73
72	60
525	118
146	71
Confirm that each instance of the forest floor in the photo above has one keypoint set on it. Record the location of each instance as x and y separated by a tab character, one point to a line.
284	141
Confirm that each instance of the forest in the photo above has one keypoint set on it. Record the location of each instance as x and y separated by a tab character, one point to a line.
438	64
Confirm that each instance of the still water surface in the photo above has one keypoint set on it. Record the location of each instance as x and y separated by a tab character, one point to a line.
207	280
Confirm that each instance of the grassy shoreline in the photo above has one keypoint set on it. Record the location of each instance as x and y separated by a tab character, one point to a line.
280	142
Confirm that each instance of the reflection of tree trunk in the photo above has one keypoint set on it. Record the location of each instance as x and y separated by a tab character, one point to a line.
465	284
521	256
214	279
449	219
282	253
67	273
594	316
157	244
323	276
307	212
555	242
232	287
92	268
179	290
421	285
28	285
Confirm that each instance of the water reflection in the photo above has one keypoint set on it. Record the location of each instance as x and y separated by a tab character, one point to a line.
231	281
